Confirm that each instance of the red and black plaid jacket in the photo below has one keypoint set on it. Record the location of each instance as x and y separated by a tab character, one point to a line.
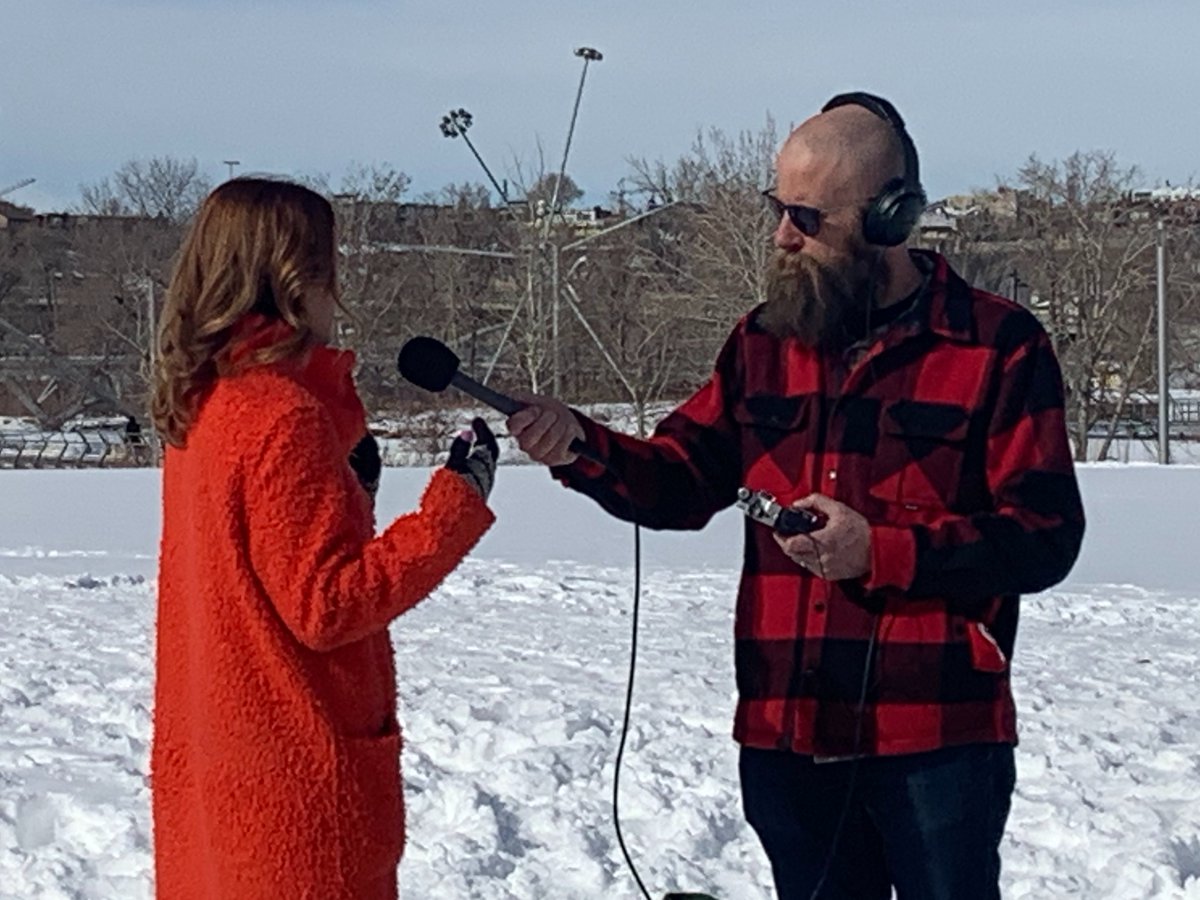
948	435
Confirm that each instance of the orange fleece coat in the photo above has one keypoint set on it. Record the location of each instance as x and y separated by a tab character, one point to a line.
275	761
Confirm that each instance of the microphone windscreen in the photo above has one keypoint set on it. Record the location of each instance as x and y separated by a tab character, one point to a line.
427	363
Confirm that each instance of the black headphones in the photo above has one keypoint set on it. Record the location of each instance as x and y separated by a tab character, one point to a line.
894	211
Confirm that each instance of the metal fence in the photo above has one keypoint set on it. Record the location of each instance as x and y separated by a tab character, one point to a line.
1185	411
76	450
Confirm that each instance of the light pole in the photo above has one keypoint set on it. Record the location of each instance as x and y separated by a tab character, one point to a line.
231	163
588	55
455	124
1164	386
24	182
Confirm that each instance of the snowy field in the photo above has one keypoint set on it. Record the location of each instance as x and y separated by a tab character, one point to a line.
512	683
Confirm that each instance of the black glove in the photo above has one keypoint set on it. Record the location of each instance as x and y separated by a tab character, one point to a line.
476	462
364	460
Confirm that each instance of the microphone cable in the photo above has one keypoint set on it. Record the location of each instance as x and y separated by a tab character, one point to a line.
616	794
633	648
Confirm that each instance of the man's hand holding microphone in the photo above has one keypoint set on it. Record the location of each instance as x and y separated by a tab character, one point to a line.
545	429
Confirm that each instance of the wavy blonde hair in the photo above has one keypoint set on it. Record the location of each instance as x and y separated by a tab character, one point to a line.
257	246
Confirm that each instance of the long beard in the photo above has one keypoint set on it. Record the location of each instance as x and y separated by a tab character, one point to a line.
825	307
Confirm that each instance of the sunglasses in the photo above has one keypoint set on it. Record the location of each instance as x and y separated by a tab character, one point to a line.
805	219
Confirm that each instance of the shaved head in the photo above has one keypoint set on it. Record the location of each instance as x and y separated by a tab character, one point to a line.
847	154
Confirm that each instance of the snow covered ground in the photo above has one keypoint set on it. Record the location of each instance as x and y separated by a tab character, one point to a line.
512	683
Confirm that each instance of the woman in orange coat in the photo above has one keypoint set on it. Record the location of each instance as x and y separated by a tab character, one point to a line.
275	762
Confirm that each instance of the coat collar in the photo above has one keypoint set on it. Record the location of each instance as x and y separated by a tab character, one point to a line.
946	307
326	372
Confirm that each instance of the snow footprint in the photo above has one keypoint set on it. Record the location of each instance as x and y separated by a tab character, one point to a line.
35	822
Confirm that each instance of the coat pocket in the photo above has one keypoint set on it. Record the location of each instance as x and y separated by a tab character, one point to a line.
919	461
775	443
986	655
370	804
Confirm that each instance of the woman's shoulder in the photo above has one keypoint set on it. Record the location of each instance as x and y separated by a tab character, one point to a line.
255	401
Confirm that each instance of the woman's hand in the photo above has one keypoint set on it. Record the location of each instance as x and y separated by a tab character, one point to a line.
474	455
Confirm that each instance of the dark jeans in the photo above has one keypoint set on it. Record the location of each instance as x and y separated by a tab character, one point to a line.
927	824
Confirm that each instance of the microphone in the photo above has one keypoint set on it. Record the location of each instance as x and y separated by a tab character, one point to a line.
430	364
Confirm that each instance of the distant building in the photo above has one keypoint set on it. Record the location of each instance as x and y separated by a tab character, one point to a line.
1167	194
1179	204
937	222
12	215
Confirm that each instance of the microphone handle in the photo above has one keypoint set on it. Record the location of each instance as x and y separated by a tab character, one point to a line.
578	446
508	406
482	392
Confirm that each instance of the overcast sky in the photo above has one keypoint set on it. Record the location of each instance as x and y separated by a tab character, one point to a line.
308	87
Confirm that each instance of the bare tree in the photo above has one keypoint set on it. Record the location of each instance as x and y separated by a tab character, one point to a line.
402	274
473	283
724	229
158	187
1091	264
1183	293
127	265
48	364
367	201
983	245
542	191
635	329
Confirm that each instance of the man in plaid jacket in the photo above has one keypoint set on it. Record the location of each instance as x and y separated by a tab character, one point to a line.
922	420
